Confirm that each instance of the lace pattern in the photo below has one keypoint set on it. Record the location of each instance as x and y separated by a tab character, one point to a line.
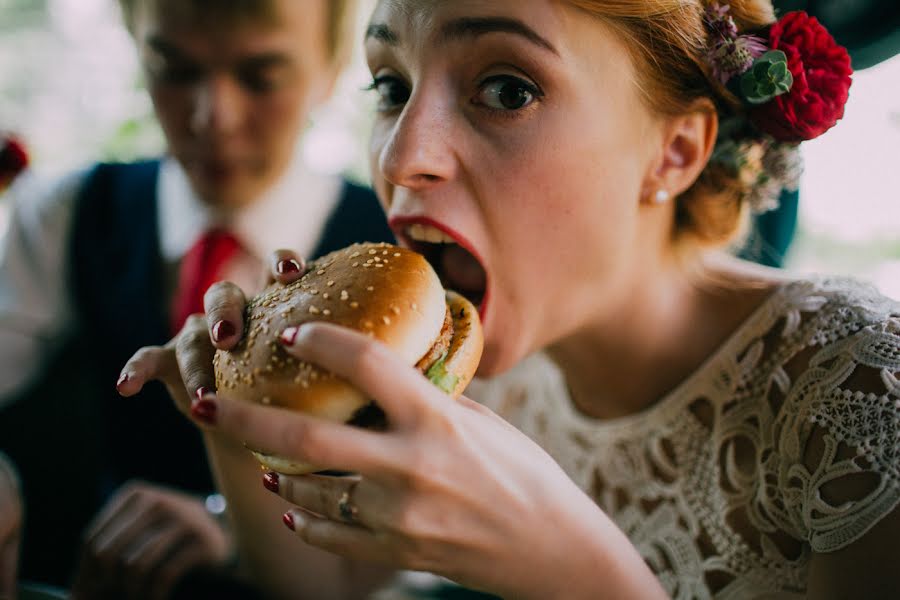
786	442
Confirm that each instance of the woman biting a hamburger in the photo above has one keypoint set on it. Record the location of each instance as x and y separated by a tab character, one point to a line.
657	419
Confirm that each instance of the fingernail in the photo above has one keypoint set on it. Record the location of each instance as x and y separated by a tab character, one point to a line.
222	329
270	480
288	266
289	335
288	519
123	378
204	410
202	391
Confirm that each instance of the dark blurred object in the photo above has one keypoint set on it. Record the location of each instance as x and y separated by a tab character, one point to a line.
773	232
208	584
869	29
13	159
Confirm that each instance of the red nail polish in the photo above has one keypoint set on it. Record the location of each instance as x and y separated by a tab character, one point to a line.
202	391
270	480
205	411
288	520
123	378
223	329
289	335
288	266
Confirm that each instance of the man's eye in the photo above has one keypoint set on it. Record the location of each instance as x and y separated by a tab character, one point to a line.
392	92
505	92
177	75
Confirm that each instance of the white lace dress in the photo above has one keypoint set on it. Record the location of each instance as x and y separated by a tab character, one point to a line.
729	484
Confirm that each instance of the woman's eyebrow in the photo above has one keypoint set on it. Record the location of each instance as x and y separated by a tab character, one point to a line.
468	27
472	27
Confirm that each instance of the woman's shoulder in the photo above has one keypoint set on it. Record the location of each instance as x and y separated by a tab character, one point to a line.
837	431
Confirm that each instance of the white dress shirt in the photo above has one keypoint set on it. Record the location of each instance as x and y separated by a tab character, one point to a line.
36	316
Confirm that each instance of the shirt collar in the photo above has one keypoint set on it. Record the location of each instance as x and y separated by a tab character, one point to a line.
290	215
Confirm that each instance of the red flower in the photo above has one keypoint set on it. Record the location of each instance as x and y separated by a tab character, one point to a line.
13	159
821	70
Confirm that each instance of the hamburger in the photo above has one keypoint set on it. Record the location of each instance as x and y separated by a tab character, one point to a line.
387	292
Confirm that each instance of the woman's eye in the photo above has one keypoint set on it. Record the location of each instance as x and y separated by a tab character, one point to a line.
392	92
506	92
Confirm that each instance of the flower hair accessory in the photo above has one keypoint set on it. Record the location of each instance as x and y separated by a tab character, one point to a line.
793	80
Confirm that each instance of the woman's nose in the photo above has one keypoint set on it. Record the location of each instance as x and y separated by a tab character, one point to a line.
218	106
417	149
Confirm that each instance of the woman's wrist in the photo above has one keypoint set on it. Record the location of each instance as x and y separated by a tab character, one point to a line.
595	560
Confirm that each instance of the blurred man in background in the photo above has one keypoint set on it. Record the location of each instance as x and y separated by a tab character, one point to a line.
232	83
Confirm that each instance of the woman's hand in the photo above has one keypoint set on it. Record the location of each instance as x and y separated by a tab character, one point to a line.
450	488
10	527
145	540
184	364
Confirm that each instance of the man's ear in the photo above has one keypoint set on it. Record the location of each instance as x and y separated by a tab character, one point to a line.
687	143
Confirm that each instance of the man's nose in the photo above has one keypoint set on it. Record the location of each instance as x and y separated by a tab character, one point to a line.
418	150
218	106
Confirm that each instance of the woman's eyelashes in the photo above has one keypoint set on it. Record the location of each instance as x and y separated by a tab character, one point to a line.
392	92
506	95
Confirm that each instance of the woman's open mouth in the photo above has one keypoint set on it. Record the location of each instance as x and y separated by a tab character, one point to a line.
458	268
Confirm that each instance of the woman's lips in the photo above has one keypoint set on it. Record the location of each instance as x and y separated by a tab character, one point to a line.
450	254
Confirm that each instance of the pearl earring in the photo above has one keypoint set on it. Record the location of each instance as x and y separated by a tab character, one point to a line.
661	196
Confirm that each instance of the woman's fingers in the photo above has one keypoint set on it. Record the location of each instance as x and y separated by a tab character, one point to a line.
332	497
148	364
285	267
194	354
224	304
278	432
348	541
404	396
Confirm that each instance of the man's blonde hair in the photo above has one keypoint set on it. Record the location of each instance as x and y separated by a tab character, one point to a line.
341	18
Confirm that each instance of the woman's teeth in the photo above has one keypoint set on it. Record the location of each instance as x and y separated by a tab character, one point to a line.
427	233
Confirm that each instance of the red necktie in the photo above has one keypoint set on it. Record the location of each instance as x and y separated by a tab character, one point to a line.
200	268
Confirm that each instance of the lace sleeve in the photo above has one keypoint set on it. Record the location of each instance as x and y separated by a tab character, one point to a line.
837	439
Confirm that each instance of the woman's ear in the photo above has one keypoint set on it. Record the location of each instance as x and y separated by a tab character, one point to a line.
687	143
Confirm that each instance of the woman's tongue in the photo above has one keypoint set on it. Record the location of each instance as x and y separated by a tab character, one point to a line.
460	271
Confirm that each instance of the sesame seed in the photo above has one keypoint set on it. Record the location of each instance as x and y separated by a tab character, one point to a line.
370	261
414	306
326	312
372	251
379	265
397	254
266	400
354	304
325	295
371	288
368	324
395	310
330	283
344	295
356	264
313	292
313	310
367	265
377	259
354	255
320	272
386	319
384	252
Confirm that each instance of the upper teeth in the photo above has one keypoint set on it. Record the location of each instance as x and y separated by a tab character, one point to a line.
427	233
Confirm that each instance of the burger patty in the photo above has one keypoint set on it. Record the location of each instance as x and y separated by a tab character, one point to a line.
371	416
441	345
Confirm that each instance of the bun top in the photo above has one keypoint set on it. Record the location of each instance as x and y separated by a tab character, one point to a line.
388	292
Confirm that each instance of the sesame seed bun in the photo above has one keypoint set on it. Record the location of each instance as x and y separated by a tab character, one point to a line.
388	292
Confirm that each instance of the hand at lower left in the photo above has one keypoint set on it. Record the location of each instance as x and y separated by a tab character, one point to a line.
144	540
450	488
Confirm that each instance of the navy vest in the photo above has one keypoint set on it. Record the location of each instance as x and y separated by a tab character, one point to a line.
85	440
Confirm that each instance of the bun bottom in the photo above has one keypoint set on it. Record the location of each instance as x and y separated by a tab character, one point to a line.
284	465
